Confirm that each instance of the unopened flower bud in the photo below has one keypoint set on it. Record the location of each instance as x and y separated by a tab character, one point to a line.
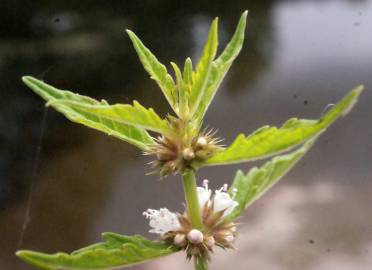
179	240
210	241
195	236
229	238
201	141
188	154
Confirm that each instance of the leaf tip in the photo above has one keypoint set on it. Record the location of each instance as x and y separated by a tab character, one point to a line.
359	89
354	94
131	34
26	78
29	80
243	19
19	253
25	255
32	258
188	62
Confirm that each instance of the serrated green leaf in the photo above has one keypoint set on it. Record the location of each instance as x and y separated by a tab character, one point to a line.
116	251
268	141
203	68
249	187
131	134
157	70
135	114
221	65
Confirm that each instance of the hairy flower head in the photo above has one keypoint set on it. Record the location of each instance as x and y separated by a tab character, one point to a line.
182	151
176	228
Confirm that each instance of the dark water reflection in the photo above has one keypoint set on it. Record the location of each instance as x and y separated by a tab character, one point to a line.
299	56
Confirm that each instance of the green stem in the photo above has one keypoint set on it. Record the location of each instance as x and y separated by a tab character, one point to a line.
192	201
193	210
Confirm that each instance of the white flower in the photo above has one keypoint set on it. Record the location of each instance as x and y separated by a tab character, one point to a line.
204	194
223	201
162	221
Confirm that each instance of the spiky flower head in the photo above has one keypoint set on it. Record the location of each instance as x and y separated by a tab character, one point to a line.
176	229
182	151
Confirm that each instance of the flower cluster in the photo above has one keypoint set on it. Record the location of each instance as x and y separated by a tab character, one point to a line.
174	154
176	228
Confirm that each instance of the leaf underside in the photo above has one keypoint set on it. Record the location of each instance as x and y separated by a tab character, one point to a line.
116	251
258	180
55	97
268	141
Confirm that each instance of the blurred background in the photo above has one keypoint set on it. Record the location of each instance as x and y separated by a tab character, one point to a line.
62	184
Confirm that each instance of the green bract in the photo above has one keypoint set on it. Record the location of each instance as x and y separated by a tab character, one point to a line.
182	146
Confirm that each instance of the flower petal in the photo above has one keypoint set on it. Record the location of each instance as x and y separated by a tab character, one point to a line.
223	201
162	221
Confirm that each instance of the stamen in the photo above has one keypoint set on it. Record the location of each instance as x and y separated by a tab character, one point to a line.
224	188
205	183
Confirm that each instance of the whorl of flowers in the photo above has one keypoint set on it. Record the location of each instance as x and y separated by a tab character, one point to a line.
176	228
175	154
